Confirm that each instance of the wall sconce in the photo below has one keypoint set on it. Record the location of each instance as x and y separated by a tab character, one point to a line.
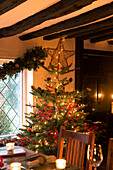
112	96
99	96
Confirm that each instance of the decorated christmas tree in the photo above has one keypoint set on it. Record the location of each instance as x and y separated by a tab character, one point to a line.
54	106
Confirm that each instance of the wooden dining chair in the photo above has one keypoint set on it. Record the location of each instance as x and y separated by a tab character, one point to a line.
109	165
72	147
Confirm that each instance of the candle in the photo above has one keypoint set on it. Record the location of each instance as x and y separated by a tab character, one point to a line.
15	166
60	163
10	147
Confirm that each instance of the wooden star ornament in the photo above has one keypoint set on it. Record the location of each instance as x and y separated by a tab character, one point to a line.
59	55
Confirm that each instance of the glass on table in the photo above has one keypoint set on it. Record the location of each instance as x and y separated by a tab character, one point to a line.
94	155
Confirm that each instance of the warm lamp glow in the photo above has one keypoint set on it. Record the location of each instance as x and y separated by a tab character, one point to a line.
112	96
60	163
15	166
99	95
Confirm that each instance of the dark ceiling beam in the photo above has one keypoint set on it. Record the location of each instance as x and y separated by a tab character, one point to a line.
84	18
108	29
102	37
6	5
59	9
98	33
110	42
91	52
85	32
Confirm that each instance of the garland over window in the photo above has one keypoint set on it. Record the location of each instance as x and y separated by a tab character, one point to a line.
33	58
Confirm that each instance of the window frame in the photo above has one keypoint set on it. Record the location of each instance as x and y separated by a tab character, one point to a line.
26	97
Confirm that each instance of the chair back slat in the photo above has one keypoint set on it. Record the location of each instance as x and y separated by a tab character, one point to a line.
77	154
81	154
74	152
70	151
75	147
68	155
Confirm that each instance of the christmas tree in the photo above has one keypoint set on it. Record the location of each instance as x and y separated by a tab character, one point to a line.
54	106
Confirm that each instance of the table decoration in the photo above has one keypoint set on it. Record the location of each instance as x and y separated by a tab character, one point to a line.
15	166
41	160
60	163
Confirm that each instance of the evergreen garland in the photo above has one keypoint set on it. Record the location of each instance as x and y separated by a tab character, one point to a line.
33	58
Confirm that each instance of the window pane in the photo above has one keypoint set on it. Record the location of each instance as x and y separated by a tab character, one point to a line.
10	105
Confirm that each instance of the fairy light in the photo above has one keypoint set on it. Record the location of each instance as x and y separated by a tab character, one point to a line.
94	159
46	143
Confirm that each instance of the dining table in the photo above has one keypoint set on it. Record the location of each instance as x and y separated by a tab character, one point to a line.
29	155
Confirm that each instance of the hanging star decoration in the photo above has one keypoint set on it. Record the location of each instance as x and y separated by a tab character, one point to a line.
59	55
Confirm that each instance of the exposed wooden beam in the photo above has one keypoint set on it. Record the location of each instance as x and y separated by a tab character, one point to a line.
61	8
85	32
110	42
101	37
95	32
84	18
98	33
99	53
6	5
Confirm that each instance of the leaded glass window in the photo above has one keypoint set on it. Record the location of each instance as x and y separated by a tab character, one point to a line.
10	105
